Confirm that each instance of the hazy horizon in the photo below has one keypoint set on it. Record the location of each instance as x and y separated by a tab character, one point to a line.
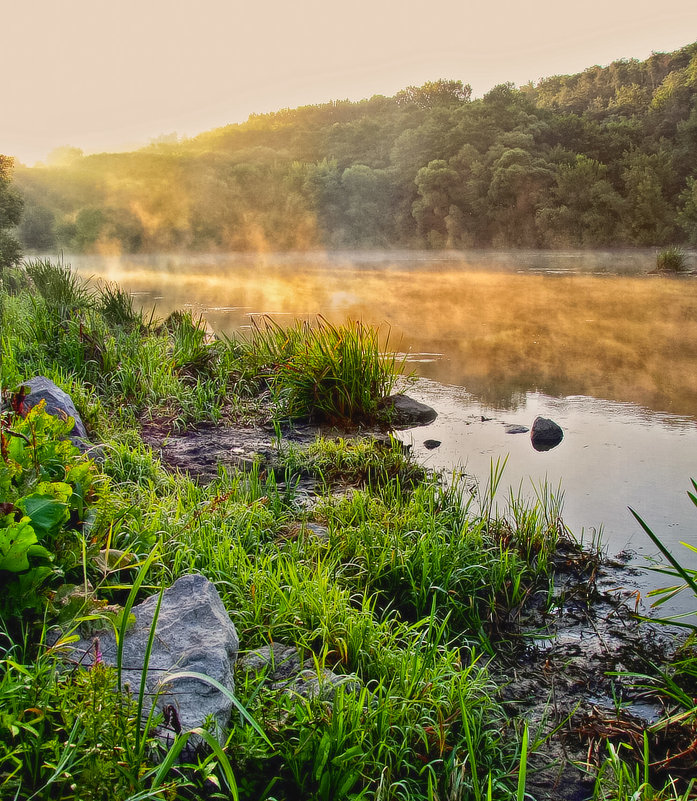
108	78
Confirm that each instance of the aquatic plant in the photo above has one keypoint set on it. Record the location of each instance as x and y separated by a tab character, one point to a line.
671	260
674	569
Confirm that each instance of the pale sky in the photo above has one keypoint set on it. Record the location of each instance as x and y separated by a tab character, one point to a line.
105	75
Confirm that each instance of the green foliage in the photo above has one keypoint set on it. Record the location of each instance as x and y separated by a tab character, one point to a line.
116	306
686	576
671	260
58	285
603	157
46	485
11	205
624	775
618	780
359	462
324	372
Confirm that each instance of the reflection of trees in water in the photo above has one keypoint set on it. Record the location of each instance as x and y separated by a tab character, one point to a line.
500	333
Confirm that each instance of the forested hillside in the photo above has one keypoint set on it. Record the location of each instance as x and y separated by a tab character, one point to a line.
605	157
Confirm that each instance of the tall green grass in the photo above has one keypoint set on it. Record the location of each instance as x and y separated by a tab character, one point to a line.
324	372
671	260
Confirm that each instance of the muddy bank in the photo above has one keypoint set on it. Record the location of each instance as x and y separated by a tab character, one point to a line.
561	677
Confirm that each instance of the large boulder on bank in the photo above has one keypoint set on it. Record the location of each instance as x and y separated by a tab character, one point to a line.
58	403
193	633
404	411
545	434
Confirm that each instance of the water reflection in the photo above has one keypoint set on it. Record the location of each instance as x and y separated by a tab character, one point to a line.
491	322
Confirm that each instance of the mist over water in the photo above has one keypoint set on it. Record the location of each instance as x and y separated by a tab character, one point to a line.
586	338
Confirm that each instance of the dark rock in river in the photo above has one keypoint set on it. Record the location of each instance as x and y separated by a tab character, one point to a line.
545	434
514	429
194	633
430	444
58	403
406	412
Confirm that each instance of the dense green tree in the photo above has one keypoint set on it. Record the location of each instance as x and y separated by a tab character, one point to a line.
688	211
36	228
10	215
651	218
435	93
584	209
607	156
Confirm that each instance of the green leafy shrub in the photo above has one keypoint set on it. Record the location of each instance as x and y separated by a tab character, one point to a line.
45	484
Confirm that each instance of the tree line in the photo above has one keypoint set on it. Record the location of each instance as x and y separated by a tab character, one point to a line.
606	157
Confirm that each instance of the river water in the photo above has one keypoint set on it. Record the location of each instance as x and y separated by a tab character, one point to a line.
588	339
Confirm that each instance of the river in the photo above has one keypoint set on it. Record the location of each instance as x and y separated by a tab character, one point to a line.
586	338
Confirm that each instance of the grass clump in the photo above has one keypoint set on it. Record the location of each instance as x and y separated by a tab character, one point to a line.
323	372
360	462
671	260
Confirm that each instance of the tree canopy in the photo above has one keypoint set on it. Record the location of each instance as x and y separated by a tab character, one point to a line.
10	214
604	157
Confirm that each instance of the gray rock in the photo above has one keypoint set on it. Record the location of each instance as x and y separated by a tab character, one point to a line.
405	411
288	673
317	531
431	444
279	661
310	684
194	633
514	429
58	403
545	434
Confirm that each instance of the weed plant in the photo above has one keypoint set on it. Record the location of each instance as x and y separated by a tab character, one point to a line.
324	372
664	771
671	260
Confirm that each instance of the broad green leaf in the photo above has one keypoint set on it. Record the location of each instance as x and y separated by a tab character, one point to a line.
46	512
15	542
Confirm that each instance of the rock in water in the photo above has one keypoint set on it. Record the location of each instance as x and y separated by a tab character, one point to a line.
516	429
405	411
194	633
58	403
545	434
431	444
